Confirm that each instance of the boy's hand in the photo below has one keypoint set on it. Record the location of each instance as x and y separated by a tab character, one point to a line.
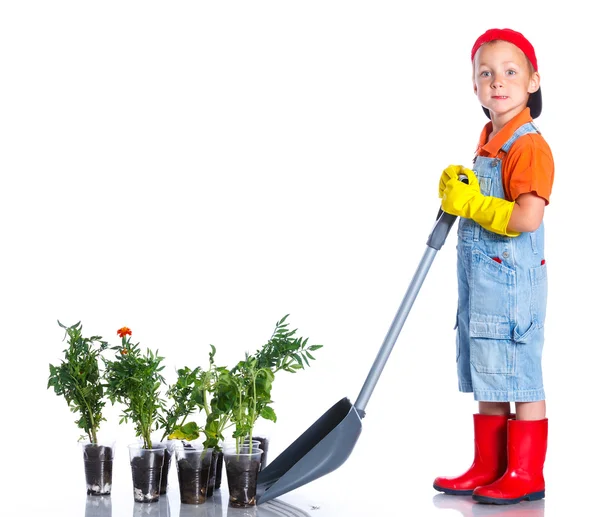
457	197
452	172
464	200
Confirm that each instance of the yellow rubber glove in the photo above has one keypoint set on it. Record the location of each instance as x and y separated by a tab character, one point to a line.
493	213
452	172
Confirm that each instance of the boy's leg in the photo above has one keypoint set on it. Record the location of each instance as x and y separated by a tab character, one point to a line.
531	410
494	408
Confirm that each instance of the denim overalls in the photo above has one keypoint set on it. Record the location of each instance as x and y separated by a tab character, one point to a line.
502	288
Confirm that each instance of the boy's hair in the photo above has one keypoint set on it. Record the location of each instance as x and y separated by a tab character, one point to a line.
522	43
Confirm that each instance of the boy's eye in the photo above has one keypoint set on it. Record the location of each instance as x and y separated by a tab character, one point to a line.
511	72
485	74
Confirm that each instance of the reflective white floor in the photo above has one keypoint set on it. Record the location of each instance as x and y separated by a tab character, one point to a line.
170	506
387	474
387	487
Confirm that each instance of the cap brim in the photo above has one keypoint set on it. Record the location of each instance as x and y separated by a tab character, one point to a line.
534	104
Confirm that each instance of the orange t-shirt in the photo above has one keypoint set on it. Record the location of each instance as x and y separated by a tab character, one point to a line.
528	166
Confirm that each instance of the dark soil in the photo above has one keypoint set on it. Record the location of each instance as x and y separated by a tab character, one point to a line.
98	464
193	482
219	473
241	478
212	477
165	471
146	472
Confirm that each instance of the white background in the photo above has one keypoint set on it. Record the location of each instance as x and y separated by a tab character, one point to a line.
197	170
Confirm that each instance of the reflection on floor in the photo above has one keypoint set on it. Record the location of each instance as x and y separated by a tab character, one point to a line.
469	508
101	506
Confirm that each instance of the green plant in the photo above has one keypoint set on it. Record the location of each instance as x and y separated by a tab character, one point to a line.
285	351
217	405
79	380
248	390
245	391
134	380
194	389
187	396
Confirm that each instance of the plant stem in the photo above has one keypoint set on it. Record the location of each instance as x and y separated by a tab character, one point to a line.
90	413
252	415
206	405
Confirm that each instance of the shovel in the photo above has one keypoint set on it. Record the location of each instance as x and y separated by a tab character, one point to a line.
326	444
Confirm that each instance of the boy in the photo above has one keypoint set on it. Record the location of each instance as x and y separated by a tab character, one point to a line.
502	275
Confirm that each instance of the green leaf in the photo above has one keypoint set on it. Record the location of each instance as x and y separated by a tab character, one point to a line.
189	432
268	414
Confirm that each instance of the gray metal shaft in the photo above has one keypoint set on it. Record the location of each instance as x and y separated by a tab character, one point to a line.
394	331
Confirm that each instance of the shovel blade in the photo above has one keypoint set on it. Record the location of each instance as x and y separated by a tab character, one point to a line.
321	449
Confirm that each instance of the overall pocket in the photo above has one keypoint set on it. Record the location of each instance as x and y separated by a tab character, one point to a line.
539	294
492	306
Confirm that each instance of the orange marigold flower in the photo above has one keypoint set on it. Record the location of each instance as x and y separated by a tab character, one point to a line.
124	331
123	351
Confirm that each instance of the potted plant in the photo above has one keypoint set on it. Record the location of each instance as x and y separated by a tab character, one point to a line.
134	380
193	471
283	352
246	392
193	390
218	418
79	380
185	395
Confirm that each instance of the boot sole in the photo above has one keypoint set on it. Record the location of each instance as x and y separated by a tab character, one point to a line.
452	491
534	496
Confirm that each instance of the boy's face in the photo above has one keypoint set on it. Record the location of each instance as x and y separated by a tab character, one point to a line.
503	79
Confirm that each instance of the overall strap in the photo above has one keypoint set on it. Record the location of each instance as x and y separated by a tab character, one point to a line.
528	127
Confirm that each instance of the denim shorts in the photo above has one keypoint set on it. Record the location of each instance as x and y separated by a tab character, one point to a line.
500	319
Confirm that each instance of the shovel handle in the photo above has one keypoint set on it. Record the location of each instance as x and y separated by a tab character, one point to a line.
435	241
441	229
443	223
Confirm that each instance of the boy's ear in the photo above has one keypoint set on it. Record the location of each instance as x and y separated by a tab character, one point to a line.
474	88
534	83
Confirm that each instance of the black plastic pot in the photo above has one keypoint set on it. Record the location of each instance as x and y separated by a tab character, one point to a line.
164	478
98	465
264	445
219	473
217	455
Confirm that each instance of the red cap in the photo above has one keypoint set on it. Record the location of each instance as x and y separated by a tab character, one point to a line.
514	37
521	42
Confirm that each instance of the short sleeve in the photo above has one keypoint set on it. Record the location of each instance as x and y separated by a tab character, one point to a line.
528	167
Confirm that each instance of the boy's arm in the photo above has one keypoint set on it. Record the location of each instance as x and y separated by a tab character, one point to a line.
495	214
527	213
466	200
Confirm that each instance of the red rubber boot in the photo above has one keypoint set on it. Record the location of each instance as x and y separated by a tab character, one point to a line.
490	457
524	478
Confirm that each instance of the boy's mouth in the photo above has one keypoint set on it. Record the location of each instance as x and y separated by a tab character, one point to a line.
499	97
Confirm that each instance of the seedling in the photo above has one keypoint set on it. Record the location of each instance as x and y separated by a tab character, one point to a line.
78	379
